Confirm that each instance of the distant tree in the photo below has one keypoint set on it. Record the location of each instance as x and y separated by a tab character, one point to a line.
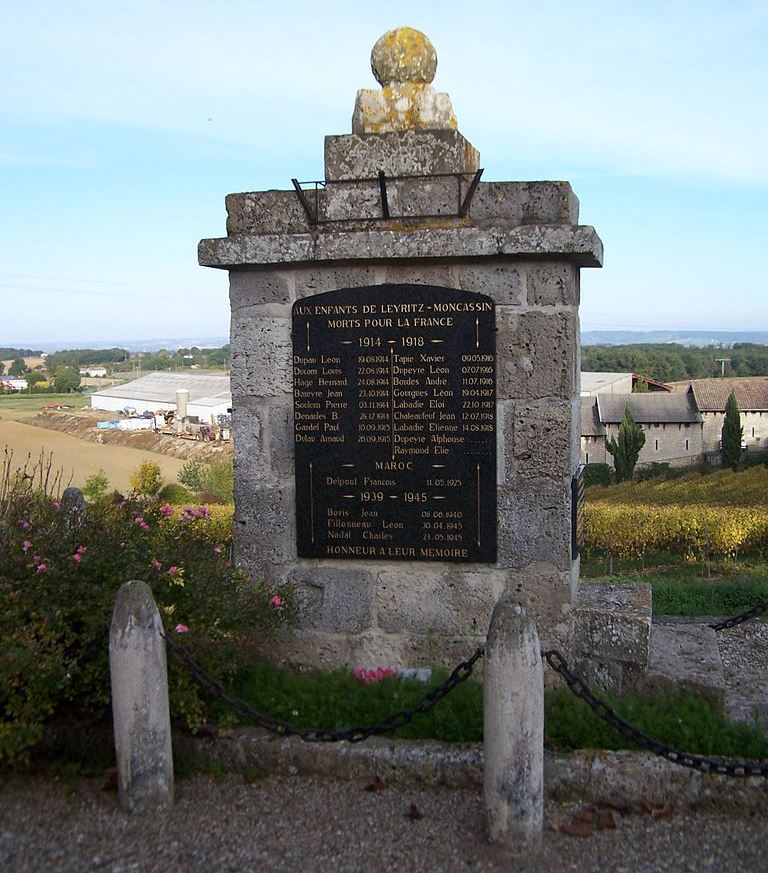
2	368
627	450
192	474
96	486
731	434
66	379
17	368
34	377
146	479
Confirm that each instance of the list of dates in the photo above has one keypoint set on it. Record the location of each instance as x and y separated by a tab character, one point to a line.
395	424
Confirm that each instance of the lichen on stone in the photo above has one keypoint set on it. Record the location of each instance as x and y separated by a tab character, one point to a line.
404	62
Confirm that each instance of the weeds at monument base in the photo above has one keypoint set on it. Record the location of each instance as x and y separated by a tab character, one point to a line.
321	707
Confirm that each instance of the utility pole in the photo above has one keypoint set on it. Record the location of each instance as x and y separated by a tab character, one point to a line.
722	362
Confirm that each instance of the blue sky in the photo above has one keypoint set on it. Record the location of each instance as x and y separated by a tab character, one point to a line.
122	127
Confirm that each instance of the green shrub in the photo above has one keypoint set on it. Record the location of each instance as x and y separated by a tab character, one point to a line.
147	479
219	479
96	485
213	482
597	474
654	470
58	581
174	493
192	475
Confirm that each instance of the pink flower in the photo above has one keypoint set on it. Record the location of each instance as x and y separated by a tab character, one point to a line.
55	504
141	524
203	511
182	629
26	546
156	565
276	601
167	510
77	557
24	524
41	568
373	674
81	550
174	571
217	550
36	558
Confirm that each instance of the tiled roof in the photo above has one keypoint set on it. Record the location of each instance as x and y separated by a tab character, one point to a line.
712	394
652	408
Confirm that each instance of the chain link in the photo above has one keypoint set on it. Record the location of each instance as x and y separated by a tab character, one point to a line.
740	618
724	766
318	735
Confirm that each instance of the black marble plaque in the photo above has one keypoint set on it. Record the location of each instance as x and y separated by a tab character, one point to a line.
395	424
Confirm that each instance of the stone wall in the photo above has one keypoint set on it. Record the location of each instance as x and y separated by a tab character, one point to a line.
755	425
677	444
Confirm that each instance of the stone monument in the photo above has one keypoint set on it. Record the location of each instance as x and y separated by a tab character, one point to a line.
405	381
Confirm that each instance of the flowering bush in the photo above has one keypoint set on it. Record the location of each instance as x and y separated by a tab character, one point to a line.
59	574
369	675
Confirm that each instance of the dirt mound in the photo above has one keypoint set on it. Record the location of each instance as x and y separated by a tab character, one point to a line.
82	424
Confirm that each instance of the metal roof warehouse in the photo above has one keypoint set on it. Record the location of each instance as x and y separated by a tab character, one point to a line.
209	395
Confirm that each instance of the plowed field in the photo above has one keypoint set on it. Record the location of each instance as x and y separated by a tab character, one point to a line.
77	458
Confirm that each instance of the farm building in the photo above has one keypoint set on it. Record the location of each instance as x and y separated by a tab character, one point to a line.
672	425
208	395
13	383
710	397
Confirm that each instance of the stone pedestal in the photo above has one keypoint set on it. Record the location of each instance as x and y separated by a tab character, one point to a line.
518	242
611	634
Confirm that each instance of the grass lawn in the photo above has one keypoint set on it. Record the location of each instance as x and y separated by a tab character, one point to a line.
680	588
19	407
337	700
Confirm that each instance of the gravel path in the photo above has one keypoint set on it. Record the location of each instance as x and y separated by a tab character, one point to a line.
744	653
297	824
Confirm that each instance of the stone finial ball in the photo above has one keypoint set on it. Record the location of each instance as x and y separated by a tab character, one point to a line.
403	55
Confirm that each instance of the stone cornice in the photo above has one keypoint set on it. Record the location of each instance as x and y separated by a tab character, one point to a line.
578	243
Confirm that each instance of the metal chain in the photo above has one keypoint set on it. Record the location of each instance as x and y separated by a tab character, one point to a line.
741	618
724	766
318	735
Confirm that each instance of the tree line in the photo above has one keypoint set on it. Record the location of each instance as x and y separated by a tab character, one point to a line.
165	359
670	362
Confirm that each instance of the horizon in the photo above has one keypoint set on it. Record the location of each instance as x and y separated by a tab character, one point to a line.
152	344
111	177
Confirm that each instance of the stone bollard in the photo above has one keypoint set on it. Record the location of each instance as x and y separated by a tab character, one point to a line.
140	710
73	507
513	704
